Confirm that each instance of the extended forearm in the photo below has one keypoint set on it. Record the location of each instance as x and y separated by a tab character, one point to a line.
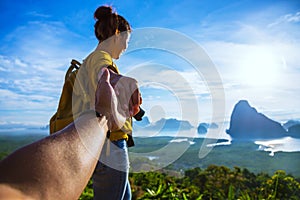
62	163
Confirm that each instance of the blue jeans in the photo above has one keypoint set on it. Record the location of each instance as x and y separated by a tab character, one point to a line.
110	178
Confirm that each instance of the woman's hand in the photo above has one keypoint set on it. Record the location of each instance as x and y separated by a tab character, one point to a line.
117	97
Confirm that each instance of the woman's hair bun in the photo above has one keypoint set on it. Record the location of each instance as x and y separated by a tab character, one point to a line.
103	12
108	23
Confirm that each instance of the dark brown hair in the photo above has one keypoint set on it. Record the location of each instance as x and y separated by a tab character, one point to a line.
108	23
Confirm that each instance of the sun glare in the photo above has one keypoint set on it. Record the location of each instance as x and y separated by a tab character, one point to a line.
260	67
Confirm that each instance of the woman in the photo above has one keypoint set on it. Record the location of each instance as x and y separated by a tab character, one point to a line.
110	179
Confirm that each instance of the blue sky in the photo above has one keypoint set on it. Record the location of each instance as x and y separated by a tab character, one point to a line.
254	46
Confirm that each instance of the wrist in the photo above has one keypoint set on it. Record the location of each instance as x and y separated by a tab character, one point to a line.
92	112
101	119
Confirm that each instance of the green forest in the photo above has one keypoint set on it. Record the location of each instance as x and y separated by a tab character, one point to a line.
214	182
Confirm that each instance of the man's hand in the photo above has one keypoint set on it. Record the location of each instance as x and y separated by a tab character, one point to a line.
117	97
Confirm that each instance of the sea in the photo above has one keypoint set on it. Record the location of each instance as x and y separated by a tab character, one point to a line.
284	144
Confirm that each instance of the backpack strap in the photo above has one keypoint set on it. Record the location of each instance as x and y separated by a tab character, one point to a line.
113	68
74	65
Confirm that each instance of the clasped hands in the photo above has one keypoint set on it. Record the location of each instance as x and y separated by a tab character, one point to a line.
117	98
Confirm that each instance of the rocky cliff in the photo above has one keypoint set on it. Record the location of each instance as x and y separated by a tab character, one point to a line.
247	123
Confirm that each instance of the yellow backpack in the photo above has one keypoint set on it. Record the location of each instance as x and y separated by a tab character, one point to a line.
64	114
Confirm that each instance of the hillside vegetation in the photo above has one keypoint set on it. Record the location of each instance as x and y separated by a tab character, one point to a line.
214	182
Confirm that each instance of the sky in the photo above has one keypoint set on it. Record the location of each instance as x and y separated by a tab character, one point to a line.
194	60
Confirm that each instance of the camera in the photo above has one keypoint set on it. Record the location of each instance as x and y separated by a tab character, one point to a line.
139	115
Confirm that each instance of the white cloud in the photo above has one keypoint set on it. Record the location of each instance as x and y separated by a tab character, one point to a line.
182	94
284	90
259	48
288	18
28	105
48	44
11	100
33	62
293	17
37	14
